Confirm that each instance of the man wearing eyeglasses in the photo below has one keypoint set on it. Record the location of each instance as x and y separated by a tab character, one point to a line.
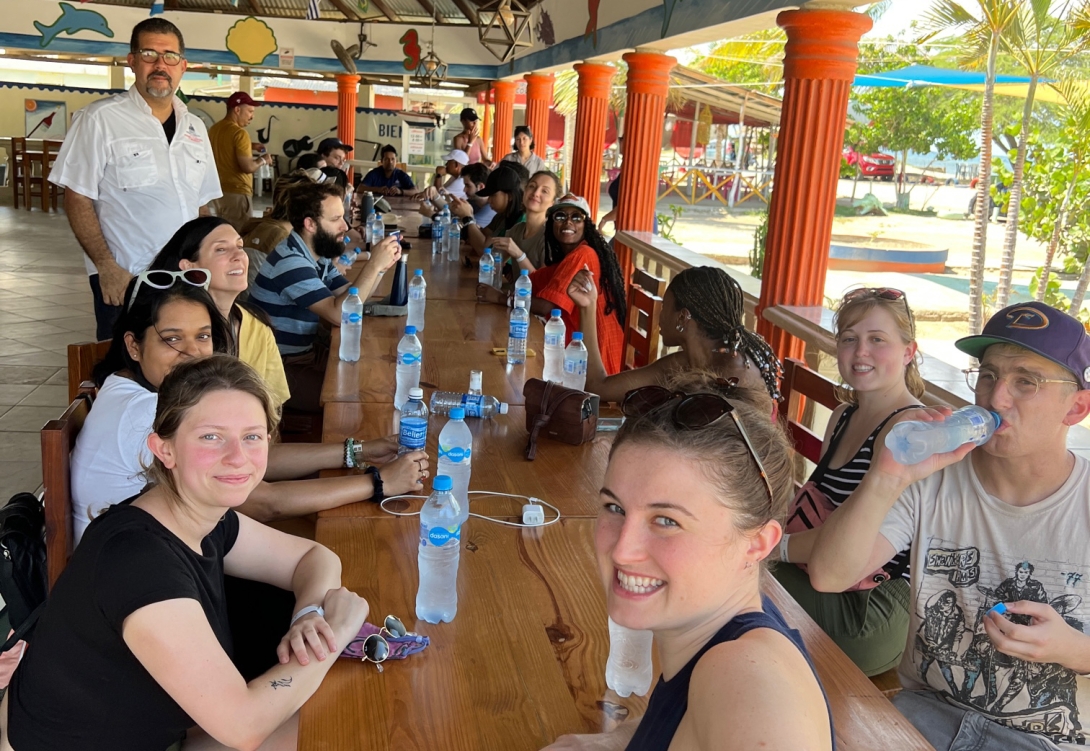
135	167
1020	502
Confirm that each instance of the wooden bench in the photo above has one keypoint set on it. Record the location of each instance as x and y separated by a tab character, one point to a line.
642	336
58	440
82	359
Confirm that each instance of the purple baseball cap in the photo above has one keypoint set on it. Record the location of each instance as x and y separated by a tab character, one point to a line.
1041	329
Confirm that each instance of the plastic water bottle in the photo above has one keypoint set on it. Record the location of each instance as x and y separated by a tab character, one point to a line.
484	275
497	269
454	240
628	669
437	559
456	457
476	379
351	326
418	294
555	332
348	257
523	288
912	441
516	334
446	228
378	229
409	352
472	405
413	433
575	363
438	236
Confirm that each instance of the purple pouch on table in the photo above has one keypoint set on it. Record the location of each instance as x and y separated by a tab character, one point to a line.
400	647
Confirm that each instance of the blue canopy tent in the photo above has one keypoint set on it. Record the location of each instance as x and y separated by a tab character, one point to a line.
925	75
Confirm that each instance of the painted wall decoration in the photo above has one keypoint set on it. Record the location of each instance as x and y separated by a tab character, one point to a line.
410	45
545	30
592	21
46	119
251	40
72	21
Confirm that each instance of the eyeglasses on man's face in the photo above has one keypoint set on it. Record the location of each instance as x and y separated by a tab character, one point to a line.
169	58
1020	384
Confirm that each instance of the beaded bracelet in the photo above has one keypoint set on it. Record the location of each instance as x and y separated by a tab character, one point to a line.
350	453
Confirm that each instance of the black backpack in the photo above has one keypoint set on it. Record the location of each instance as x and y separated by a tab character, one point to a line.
23	573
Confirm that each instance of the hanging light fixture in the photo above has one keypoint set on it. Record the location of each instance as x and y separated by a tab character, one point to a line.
431	70
504	26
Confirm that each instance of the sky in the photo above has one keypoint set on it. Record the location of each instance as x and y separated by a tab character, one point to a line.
898	17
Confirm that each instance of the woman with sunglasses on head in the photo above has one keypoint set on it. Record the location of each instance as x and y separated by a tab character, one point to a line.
702	313
524	243
876	357
697	482
572	245
134	650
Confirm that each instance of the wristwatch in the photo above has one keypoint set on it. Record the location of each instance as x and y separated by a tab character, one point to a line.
466	221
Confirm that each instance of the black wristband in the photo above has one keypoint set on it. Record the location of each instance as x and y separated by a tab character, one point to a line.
376	479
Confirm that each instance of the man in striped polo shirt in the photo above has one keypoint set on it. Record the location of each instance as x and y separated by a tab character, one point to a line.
298	286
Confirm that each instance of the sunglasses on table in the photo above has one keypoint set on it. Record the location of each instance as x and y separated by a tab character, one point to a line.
375	647
563	217
161	279
170	58
693	412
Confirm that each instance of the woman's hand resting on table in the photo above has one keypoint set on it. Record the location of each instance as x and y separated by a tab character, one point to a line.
379	450
406	474
583	290
345	612
488	293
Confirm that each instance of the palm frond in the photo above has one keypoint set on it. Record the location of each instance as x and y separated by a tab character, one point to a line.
945	16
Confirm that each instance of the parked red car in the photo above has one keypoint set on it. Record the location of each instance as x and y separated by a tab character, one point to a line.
875	166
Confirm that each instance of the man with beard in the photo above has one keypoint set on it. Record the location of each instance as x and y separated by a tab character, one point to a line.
235	161
298	286
135	167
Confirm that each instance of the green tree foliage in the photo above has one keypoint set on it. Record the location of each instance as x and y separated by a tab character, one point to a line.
755	58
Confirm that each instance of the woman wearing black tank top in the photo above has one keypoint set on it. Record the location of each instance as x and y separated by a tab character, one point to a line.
876	356
690	507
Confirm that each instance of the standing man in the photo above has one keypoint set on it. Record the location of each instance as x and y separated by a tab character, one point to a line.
135	167
235	161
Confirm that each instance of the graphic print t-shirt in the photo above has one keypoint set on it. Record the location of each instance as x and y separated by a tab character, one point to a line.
970	551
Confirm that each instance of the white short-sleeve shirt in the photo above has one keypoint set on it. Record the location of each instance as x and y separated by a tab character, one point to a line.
116	153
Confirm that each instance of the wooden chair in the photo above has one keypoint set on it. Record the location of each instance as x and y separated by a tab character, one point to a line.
642	338
799	382
58	440
82	359
19	187
50	192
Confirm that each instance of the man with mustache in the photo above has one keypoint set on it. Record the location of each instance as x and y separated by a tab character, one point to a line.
135	167
235	161
299	287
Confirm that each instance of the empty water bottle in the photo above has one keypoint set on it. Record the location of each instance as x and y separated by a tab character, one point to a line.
437	558
456	457
351	326
409	352
348	257
575	363
497	269
516	334
378	229
484	275
454	240
628	669
472	405
413	431
476	382
523	288
912	441
418	293
555	333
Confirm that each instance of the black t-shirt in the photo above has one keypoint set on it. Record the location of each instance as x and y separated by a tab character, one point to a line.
170	126
79	685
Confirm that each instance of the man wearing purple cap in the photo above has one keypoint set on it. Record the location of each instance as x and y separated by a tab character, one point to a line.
1010	677
235	160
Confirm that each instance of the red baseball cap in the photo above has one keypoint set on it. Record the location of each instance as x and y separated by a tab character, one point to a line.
240	97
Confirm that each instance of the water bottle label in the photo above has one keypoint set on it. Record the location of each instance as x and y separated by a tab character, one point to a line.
416	293
408	358
519	329
575	367
554	340
439	536
523	292
472	404
455	454
437	232
350	318
414	433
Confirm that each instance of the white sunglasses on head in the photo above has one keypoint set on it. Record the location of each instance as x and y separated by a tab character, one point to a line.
162	279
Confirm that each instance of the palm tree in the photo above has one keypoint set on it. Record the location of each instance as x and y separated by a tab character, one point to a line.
1043	44
981	37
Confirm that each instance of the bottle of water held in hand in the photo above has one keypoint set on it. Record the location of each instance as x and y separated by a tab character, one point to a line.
912	441
413	433
555	332
378	229
516	334
418	292
454	240
348	257
438	236
628	670
351	326
484	275
409	353
575	363
456	457
437	558
473	405
523	288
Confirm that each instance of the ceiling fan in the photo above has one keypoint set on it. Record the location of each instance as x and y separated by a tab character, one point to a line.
349	56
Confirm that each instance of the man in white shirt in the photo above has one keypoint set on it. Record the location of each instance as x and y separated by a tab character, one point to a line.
135	167
997	654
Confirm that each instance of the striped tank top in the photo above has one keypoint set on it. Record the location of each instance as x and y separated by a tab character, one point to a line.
839	483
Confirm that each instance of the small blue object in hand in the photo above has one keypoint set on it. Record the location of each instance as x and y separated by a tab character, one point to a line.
999	608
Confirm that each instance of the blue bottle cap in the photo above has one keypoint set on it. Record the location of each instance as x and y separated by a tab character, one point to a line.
442	483
347	239
410	330
556	312
577	336
458	413
999	608
418	272
524	272
353	291
998	419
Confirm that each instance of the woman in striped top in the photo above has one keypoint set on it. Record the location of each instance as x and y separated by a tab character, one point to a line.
876	356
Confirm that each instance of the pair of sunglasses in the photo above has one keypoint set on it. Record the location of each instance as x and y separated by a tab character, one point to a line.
561	217
882	293
375	647
162	279
693	412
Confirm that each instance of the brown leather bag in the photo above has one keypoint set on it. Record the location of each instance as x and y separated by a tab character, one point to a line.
563	414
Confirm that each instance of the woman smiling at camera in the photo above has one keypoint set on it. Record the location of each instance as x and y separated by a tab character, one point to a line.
691	503
133	649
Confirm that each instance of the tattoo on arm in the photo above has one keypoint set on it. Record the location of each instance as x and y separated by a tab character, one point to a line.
281	683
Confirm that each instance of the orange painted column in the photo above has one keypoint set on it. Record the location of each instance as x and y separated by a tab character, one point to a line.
819	67
645	112
486	126
539	97
347	97
592	109
504	124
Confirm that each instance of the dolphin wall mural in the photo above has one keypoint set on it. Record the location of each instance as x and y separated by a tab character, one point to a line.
72	21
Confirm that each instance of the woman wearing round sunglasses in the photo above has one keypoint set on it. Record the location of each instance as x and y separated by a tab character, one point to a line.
703	316
690	508
572	244
876	357
134	650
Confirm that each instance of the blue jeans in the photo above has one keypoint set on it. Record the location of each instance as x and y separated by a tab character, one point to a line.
950	728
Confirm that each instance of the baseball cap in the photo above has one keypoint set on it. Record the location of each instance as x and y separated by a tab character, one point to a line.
570	201
241	97
468	114
1040	328
501	180
329	144
457	155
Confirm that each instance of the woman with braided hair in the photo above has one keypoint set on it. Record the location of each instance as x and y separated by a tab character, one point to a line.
701	313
